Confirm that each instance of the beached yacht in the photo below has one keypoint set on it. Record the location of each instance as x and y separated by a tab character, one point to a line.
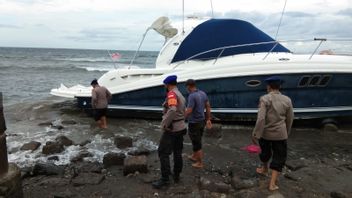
230	59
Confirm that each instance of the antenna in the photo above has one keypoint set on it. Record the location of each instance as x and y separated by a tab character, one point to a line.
282	16
183	16
212	8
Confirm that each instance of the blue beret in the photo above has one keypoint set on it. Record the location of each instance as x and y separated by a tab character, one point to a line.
274	79
170	79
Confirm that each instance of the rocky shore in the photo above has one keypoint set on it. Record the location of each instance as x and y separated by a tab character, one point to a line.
319	165
319	162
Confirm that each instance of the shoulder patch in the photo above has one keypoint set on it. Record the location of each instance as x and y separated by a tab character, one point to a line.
172	99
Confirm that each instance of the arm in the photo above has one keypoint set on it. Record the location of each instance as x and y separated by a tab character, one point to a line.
260	124
209	125
289	118
170	114
190	106
94	99
108	95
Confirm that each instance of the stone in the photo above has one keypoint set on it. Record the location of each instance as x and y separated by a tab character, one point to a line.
113	159
68	122
330	127
94	167
63	140
65	194
47	169
31	146
85	142
295	165
58	127
52	148
214	132
123	142
53	158
48	123
54	182
88	179
336	194
10	182
134	164
139	151
239	184
81	155
218	187
292	176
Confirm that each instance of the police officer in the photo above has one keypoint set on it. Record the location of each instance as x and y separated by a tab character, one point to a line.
174	128
274	122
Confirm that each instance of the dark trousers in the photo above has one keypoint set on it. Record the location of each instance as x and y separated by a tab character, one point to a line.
171	142
275	149
195	132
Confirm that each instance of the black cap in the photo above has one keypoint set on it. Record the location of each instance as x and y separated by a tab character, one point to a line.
94	82
190	82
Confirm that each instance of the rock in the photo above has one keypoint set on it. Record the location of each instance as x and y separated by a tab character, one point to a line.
123	142
276	195
214	132
85	142
54	158
113	159
26	172
295	165
54	182
31	146
81	155
68	122
47	169
88	179
64	140
218	187
239	184
133	164
292	176
52	148
94	167
58	127
330	127
48	123
65	194
107	134
336	194
246	194
139	151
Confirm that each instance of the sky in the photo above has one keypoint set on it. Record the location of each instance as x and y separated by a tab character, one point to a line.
120	24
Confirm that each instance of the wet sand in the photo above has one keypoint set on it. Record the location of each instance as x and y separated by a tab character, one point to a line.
319	165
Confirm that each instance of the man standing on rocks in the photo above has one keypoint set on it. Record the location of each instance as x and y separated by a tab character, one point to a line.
174	128
100	98
274	122
197	103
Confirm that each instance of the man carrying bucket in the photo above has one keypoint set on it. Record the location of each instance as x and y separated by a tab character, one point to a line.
274	122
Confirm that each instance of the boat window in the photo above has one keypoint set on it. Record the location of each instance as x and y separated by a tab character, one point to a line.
314	81
304	81
325	80
253	83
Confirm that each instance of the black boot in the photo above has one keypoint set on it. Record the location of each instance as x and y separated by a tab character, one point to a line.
163	182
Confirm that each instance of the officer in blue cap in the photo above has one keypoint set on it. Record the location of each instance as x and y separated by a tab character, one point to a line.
173	127
274	121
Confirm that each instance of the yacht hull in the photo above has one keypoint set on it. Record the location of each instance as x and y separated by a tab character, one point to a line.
314	96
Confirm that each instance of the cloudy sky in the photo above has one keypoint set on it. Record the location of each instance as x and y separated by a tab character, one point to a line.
119	24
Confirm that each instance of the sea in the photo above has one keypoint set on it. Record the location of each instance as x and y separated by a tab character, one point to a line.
26	77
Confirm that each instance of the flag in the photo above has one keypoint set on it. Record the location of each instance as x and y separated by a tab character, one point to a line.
116	56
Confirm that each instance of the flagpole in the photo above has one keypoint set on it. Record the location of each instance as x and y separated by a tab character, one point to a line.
183	16
115	66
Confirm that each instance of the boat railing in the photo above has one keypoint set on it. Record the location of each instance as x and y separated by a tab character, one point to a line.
222	49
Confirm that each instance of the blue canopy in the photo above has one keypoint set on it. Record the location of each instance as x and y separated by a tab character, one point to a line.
217	33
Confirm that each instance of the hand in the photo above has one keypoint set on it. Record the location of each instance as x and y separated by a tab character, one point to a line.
209	125
255	140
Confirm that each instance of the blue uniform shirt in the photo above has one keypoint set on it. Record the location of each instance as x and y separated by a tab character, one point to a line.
196	102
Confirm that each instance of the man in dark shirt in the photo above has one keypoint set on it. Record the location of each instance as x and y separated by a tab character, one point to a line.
197	103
